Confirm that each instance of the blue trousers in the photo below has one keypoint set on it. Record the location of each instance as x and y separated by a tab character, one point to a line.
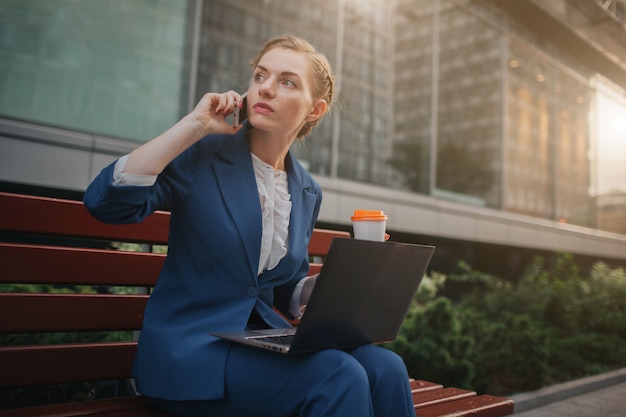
368	381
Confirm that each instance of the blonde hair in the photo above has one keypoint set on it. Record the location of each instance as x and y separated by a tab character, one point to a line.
323	78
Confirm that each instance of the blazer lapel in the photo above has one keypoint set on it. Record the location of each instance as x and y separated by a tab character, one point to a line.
302	200
235	177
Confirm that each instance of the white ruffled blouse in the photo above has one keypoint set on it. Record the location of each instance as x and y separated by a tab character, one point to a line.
276	206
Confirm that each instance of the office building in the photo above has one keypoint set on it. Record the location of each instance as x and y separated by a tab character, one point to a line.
479	125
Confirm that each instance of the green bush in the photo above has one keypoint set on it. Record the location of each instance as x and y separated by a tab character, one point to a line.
433	345
504	336
511	354
586	354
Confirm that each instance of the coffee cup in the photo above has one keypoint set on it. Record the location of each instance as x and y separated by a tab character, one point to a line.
369	225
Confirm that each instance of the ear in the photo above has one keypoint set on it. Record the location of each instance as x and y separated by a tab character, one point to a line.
318	110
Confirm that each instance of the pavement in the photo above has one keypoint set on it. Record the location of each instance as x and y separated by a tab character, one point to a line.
596	396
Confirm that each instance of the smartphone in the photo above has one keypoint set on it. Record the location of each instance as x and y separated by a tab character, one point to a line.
240	115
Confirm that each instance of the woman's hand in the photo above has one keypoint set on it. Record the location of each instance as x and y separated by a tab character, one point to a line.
209	116
213	109
307	290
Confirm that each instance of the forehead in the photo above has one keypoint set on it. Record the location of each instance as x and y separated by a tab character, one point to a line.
281	60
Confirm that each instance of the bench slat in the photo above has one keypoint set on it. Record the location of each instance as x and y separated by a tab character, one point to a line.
70	312
31	214
66	265
483	405
418	385
314	268
323	238
137	406
48	364
439	396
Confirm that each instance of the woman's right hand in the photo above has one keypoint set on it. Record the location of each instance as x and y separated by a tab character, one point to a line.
213	109
208	117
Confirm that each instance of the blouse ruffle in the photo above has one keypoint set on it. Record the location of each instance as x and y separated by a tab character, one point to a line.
276	207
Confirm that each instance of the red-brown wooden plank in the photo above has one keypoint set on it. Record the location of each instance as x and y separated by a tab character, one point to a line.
482	405
418	385
66	265
22	312
47	364
42	215
321	240
440	396
314	268
137	406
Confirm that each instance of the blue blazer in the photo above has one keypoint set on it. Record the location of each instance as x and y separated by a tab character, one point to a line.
209	281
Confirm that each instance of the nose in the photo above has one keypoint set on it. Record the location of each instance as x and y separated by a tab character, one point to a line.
267	89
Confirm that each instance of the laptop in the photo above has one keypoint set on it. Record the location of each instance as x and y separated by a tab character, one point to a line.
361	297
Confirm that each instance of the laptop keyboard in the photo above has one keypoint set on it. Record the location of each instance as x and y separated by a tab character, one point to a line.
284	339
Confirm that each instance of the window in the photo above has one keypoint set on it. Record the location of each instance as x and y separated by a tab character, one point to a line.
114	68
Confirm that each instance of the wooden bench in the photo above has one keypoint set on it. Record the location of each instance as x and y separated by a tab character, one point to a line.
56	242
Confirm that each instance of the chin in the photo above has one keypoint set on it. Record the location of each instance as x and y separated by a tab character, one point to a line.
261	123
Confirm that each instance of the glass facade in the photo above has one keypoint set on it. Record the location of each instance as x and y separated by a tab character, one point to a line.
548	138
446	99
507	125
115	68
415	95
469	115
609	117
449	104
365	97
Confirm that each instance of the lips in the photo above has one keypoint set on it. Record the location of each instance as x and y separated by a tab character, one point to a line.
263	108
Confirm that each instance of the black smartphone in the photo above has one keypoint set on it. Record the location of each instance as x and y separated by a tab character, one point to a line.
240	115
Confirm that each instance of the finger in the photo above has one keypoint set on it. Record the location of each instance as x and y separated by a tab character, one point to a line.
221	104
237	99
229	101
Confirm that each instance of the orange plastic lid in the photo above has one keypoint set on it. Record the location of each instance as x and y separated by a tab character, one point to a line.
368	215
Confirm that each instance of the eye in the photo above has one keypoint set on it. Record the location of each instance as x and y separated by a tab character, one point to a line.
259	77
289	83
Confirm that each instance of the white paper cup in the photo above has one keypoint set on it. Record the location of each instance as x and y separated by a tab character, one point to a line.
369	225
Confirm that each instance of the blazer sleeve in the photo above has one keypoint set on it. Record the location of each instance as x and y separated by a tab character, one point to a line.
119	204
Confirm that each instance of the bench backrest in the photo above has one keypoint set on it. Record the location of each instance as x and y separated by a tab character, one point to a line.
57	244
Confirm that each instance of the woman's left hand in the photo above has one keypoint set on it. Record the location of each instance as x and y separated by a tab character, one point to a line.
307	289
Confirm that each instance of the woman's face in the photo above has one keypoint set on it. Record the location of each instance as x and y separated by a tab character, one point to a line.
280	96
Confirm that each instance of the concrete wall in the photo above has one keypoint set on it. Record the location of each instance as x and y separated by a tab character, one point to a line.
424	215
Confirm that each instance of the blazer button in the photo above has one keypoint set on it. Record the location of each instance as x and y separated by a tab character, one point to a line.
252	292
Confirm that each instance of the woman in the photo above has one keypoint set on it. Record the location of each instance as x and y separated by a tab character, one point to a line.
243	210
